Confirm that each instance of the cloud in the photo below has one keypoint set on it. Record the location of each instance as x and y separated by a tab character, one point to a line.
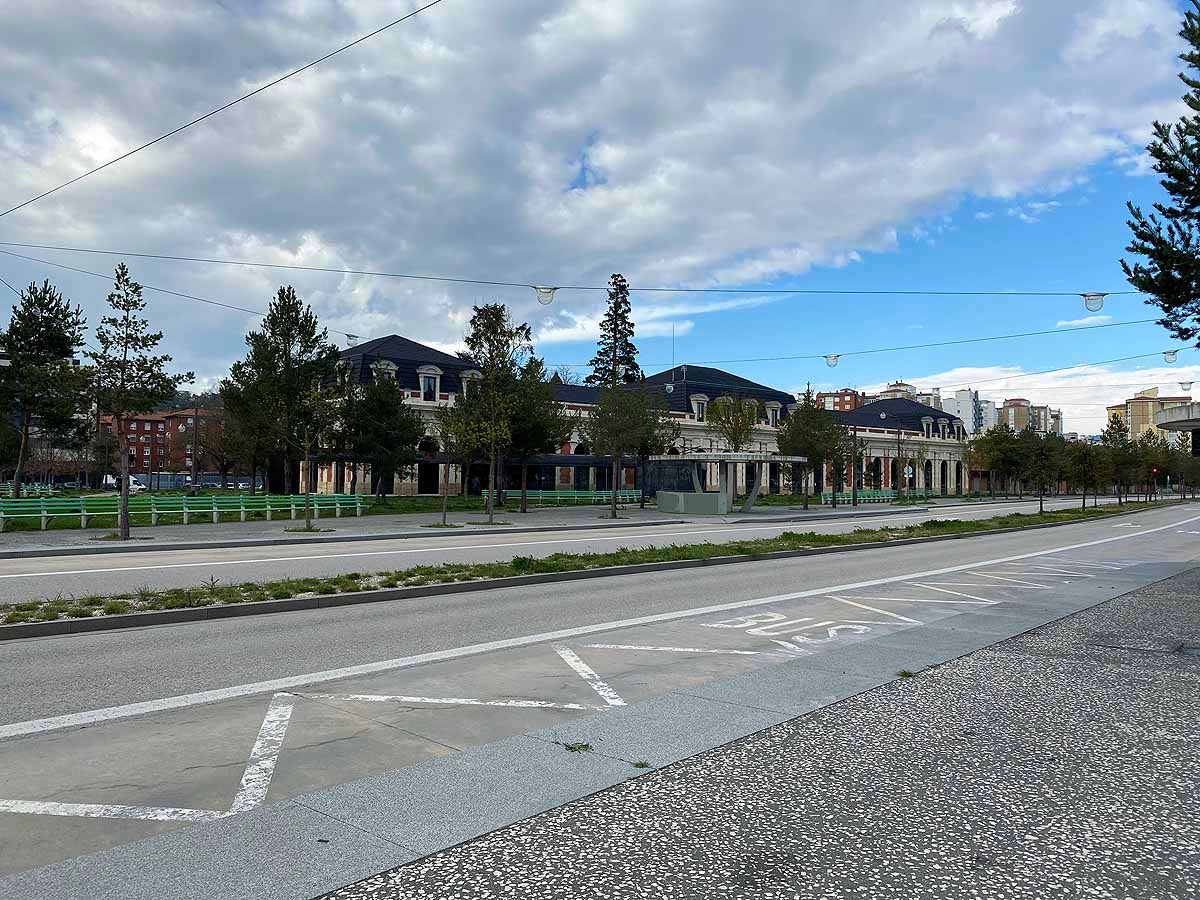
1082	323
1082	394
549	143
983	216
1034	211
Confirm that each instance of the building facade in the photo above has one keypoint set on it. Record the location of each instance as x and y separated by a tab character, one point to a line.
1138	411
430	378
842	400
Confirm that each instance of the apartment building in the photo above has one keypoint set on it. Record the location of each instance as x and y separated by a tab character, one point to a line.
1138	411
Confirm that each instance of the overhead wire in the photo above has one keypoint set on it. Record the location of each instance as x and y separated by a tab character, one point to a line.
522	284
220	109
160	290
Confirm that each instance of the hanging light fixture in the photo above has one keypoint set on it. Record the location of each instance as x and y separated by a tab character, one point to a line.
1093	301
831	359
351	339
545	295
1185	385
1170	356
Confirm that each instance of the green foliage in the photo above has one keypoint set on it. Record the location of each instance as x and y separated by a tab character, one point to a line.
128	379
45	391
499	347
809	431
1168	240
615	361
540	424
628	422
734	420
272	393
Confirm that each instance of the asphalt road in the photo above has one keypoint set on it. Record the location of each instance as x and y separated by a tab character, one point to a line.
103	574
171	712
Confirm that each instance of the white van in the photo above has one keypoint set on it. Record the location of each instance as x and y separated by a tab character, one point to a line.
114	482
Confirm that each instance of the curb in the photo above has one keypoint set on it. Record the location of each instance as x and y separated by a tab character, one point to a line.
265	607
831	517
77	550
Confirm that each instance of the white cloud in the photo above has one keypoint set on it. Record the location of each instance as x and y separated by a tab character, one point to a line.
1033	212
1082	394
549	143
983	216
1082	323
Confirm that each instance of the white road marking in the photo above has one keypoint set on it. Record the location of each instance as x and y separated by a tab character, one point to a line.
882	612
1095	565
671	649
110	811
91	717
443	701
925	600
931	587
1058	570
588	674
1028	585
1127	525
261	767
461	547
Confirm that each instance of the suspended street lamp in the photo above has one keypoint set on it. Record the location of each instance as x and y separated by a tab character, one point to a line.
1185	385
545	295
831	359
1170	355
1093	301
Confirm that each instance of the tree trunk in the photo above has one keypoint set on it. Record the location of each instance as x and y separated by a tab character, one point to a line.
446	493
642	484
1041	501
491	498
1084	499
524	487
804	485
616	471
16	491
991	484
123	503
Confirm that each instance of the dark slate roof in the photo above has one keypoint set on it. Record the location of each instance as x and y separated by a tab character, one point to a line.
408	356
576	393
713	383
907	414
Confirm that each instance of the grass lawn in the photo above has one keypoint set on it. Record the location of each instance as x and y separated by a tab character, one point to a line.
214	592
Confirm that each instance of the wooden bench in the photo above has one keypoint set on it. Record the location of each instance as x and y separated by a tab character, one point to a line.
559	498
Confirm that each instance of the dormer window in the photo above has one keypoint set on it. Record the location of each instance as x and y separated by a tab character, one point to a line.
467	379
384	370
431	383
699	406
773	410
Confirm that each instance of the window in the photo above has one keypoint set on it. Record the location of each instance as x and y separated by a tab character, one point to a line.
161	427
699	406
431	383
145	426
146	452
384	370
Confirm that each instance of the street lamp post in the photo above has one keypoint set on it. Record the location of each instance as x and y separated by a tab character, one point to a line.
899	471
854	468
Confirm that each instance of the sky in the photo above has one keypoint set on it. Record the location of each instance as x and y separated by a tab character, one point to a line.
950	145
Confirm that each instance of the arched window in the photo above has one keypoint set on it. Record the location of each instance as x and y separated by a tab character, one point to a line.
383	370
431	383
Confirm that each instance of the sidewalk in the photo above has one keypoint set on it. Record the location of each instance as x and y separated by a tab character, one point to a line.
1060	763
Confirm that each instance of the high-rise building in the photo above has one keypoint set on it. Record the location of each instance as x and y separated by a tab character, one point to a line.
977	414
1139	410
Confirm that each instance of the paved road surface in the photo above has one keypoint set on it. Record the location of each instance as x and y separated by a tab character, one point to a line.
28	579
1044	766
423	723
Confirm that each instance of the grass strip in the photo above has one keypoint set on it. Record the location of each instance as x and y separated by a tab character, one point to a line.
214	592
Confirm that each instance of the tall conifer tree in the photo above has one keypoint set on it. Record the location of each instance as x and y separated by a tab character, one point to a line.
615	361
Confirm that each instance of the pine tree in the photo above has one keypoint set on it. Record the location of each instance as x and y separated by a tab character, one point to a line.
129	380
41	383
615	362
1169	238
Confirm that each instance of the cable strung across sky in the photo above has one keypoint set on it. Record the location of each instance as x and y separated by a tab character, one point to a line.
496	282
219	109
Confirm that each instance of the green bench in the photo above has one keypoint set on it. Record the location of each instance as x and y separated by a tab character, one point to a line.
560	498
86	508
870	496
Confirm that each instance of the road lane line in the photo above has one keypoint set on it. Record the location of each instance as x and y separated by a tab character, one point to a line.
442	701
1028	585
110	811
91	717
260	768
670	649
930	587
588	674
882	612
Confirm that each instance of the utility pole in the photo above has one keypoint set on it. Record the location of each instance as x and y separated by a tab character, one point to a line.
854	467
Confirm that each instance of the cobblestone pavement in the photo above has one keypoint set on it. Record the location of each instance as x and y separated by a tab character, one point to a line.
1061	763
